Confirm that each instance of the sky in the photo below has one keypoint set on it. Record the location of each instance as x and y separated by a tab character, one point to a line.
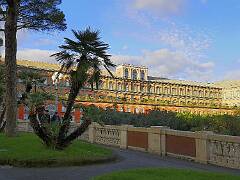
195	40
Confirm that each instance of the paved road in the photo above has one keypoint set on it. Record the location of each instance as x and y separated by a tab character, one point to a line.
128	159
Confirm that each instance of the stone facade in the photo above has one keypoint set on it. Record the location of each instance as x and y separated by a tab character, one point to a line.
132	90
230	92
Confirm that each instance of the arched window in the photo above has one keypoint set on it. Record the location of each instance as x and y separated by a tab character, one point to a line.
138	87
110	86
174	91
137	111
195	93
134	74
100	85
181	92
206	93
211	94
126	74
119	86
142	75
149	89
135	88
165	90
127	88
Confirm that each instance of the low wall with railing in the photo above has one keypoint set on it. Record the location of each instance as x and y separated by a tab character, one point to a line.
203	147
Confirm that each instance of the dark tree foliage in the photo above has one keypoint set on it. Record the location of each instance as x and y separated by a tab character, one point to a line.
38	15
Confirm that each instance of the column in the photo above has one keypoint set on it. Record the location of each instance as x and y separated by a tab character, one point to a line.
123	136
157	140
92	132
154	140
202	147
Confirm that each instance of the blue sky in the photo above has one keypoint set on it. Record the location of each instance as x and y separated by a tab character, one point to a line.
181	39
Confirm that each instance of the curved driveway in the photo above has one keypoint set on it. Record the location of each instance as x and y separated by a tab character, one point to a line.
128	159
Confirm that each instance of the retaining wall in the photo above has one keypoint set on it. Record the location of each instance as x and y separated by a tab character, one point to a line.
203	147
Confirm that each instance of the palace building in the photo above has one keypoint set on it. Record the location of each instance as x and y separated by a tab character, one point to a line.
230	92
133	90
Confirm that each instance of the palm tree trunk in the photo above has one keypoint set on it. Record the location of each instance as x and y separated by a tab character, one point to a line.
66	119
11	68
2	114
75	87
2	124
40	131
78	132
35	86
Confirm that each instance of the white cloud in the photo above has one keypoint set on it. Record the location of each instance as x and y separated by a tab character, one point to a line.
162	63
163	7
170	64
232	75
193	43
125	47
36	55
44	42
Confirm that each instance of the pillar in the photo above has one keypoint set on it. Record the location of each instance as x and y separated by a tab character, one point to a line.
154	140
163	140
202	148
92	132
157	140
123	136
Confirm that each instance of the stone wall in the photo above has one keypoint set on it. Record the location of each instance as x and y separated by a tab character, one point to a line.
224	151
203	147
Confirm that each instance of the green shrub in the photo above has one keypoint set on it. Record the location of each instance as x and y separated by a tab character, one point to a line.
221	124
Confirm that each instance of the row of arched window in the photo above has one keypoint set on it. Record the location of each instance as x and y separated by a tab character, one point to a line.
159	90
134	74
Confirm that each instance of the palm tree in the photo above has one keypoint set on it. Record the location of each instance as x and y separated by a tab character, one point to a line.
82	59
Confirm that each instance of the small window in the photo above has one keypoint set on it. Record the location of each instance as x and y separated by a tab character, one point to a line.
134	74
126	74
142	75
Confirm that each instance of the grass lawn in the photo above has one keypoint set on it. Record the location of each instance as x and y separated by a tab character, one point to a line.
165	174
26	150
